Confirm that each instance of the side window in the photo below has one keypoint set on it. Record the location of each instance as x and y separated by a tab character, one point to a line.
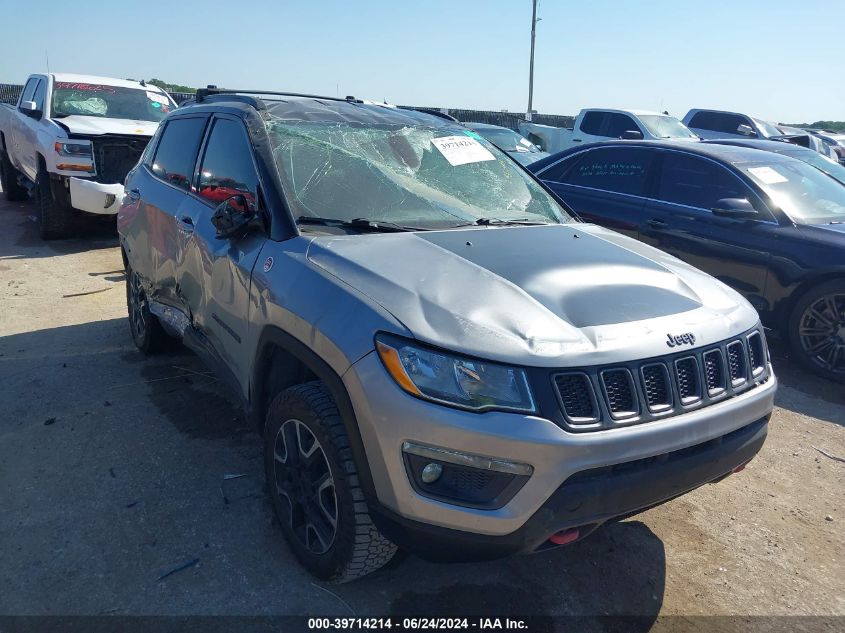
591	123
696	182
555	172
621	170
28	90
40	93
617	124
176	153
718	121
227	167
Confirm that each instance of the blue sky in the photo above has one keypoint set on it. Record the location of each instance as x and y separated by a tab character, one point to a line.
753	56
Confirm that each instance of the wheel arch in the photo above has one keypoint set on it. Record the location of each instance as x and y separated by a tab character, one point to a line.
282	361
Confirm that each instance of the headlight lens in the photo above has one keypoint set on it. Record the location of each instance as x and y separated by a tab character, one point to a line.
77	149
455	380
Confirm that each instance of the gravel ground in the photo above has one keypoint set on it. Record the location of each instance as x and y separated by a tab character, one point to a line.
113	465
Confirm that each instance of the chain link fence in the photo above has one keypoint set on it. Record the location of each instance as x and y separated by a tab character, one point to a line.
9	94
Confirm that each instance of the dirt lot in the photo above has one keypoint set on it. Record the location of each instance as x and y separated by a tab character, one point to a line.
112	469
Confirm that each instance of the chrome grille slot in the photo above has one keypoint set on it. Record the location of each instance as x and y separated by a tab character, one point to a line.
714	372
620	392
736	363
689	385
577	397
756	353
656	387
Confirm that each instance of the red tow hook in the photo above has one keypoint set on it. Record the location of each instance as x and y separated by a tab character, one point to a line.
565	536
741	467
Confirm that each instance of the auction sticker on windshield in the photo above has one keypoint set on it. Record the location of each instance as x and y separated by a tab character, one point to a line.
460	150
767	175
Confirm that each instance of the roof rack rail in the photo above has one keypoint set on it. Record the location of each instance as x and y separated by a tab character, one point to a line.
211	90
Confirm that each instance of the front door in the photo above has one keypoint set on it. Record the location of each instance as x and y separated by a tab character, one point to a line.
605	186
214	273
680	221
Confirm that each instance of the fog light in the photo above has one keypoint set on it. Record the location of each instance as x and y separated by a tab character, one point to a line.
431	472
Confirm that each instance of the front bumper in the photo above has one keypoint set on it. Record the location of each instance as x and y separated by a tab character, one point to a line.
387	417
95	197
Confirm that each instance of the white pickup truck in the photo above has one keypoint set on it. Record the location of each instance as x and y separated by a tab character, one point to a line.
71	140
598	124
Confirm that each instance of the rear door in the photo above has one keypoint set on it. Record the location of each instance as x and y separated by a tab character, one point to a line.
680	221
605	185
214	274
160	189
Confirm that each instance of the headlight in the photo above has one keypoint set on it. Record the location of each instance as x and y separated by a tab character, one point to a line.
78	150
450	379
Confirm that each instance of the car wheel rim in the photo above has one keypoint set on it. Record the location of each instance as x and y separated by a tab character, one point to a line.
822	332
137	306
305	486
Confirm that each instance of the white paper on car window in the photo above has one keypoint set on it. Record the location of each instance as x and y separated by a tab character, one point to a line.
767	175
525	141
158	98
460	150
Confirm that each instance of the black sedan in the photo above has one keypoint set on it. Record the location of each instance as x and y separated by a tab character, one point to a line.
768	225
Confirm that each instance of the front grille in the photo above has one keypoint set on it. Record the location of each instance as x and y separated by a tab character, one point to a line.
577	397
714	372
658	391
736	362
756	353
115	155
597	398
689	384
620	391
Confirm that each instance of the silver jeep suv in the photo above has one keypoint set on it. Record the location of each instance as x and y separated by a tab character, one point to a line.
438	355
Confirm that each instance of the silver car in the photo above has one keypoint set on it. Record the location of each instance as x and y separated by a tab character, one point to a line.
438	356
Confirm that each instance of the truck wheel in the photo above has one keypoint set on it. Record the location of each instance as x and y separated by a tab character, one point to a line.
56	217
817	330
9	180
313	484
147	332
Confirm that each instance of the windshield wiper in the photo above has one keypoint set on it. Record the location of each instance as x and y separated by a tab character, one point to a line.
501	222
361	224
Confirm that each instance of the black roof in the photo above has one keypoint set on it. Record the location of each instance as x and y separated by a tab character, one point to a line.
779	147
732	154
298	108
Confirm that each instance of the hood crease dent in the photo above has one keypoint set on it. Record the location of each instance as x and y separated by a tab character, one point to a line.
543	292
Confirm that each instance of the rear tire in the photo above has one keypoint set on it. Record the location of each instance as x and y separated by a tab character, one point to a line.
147	332
9	180
817	330
56	217
314	487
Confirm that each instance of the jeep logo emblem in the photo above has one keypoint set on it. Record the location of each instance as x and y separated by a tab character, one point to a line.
673	340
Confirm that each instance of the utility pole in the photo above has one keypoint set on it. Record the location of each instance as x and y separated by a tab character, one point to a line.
531	68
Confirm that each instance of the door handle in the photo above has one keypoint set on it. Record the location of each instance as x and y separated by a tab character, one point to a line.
134	194
657	223
576	140
187	220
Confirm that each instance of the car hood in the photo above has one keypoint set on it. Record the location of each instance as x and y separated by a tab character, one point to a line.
94	125
553	295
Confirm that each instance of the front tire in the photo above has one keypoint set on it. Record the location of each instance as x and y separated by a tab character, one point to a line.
314	487
56	217
817	330
147	332
9	180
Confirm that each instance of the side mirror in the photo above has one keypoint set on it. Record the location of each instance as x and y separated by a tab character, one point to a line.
745	130
738	208
29	109
632	135
234	216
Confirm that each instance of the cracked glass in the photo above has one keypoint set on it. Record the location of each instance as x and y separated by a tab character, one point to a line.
395	173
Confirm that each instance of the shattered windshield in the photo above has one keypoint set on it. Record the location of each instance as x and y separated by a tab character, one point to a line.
112	102
431	177
508	140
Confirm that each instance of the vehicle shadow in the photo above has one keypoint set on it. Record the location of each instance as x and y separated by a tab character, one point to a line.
802	391
90	233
